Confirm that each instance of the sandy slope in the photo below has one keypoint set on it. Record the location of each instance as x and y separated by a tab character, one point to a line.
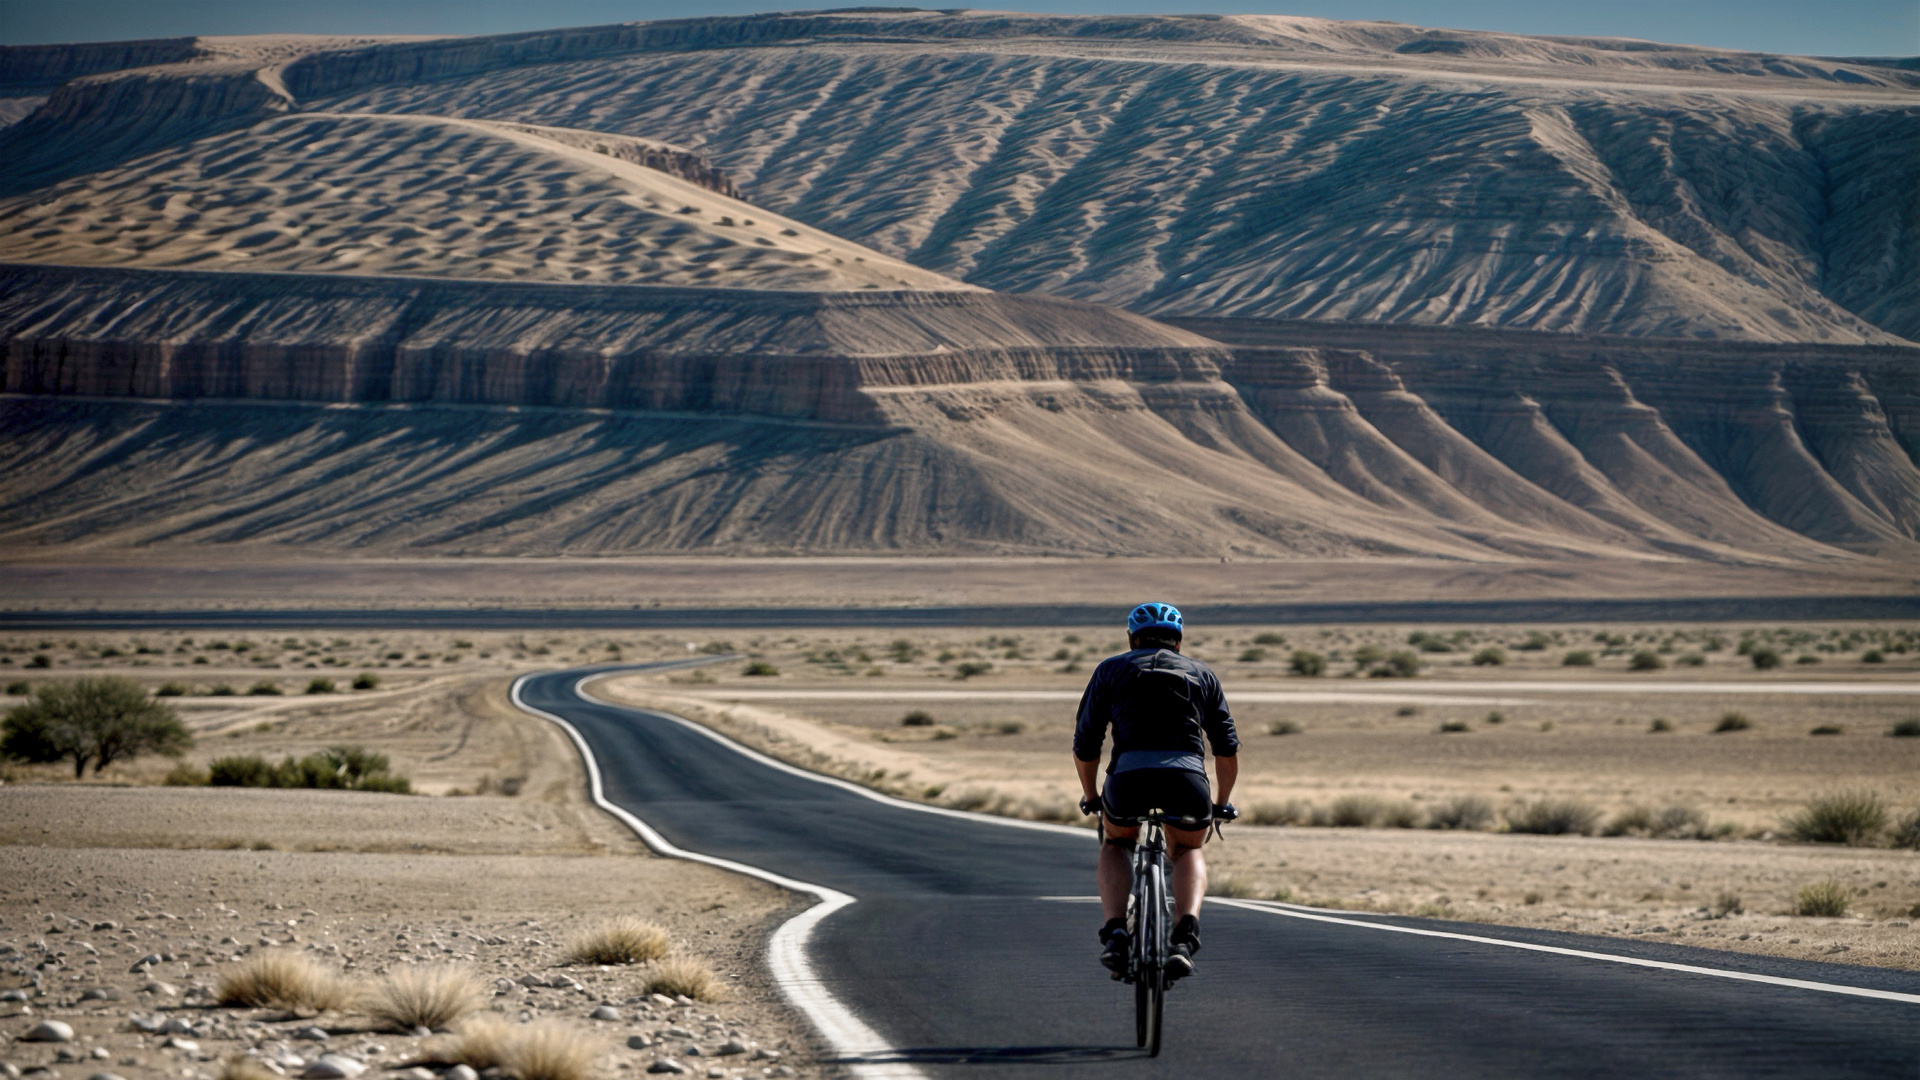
1277	167
425	196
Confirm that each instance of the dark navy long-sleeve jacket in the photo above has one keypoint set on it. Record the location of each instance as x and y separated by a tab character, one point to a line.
1154	699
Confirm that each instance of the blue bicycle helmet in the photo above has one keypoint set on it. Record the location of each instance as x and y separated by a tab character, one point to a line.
1155	617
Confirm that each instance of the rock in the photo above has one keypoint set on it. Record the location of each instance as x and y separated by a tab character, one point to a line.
764	1054
9	1070
99	1053
417	1073
692	1050
781	1070
420	1031
107	925
604	1012
638	1042
682	999
43	1072
661	999
49	1031
67	1055
14	995
531	980
185	1046
144	962
503	986
311	1033
100	993
177	1026
461	1072
731	1046
162	989
716	1071
333	1067
679	1033
148	1024
106	1075
666	1065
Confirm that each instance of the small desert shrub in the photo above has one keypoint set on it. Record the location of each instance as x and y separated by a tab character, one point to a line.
1660	723
1461	812
431	996
1403	664
1692	659
623	939
1496	717
1906	729
1828	729
1873	656
171	689
263	688
346	768
1284	727
1577	658
917	718
685	975
1727	904
1454	727
1672	823
1764	657
1823	899
1732	721
1305	662
550	1050
366	680
1010	727
19	688
1646	660
1806	658
970	668
220	690
320	686
1553	817
1533	896
1253	656
1491	656
1907	833
1233	888
1851	817
1354	811
1407	710
760	668
249	771
1398	815
284	980
1268	637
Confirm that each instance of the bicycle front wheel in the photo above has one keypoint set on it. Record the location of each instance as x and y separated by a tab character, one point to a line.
1156	993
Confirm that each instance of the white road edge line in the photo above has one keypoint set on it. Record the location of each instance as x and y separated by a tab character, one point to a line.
1294	911
846	1033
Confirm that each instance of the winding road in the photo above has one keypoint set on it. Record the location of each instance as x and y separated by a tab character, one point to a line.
951	945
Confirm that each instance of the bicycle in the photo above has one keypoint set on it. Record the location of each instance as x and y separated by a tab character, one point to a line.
1150	921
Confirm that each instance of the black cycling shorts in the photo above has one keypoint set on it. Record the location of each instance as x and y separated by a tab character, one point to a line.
1183	793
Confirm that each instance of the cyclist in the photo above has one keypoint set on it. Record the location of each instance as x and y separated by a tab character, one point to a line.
1165	710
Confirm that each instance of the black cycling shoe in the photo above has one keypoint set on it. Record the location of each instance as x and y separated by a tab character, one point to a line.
1118	943
1186	942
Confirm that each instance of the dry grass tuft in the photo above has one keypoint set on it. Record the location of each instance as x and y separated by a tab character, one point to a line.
685	975
549	1050
481	1042
1823	899
283	980
429	996
1853	817
624	939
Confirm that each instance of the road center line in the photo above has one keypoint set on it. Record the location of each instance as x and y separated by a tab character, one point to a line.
792	971
1294	911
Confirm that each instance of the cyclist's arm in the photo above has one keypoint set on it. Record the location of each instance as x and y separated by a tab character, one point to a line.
1089	777
1229	770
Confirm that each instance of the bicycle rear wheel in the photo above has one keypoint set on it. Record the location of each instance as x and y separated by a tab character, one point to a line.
1150	992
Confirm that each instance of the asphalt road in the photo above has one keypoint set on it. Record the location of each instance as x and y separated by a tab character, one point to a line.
953	956
1674	609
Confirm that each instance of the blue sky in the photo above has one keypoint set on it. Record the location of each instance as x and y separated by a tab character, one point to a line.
1817	27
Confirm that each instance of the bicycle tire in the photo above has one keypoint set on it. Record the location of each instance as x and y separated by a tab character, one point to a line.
1154	977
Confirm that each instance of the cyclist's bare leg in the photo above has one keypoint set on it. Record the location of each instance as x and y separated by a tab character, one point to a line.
1116	871
1189	870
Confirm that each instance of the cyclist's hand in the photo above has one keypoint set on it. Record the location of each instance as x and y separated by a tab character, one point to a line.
1090	805
1225	812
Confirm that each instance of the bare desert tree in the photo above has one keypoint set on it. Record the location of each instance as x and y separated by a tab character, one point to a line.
91	720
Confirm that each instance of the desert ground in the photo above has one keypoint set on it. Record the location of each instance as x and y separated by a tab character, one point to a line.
99	874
